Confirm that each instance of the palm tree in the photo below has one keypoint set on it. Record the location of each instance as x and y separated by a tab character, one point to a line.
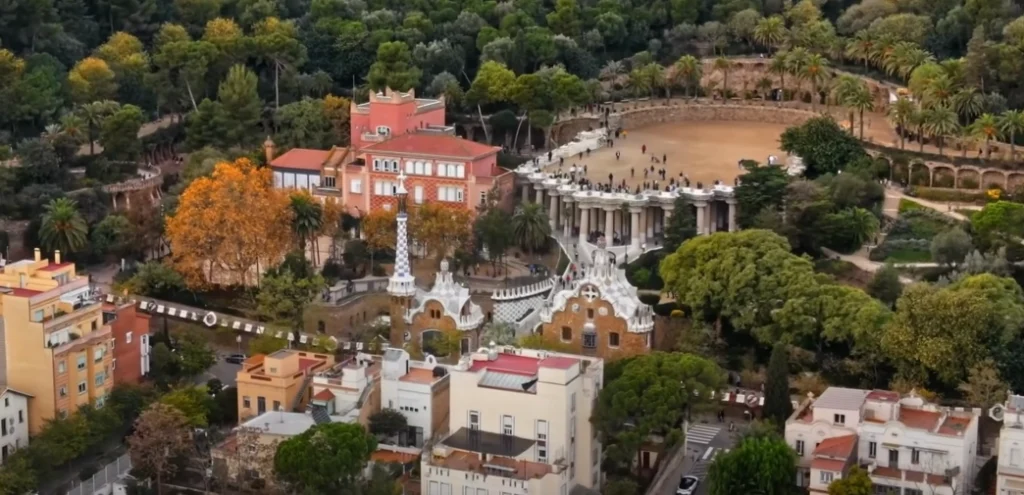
918	121
900	114
881	49
842	91
73	127
796	60
1011	122
780	66
955	68
770	32
764	87
863	224
688	69
815	71
93	114
860	47
860	101
941	121
530	226
722	64
307	219
62	226
904	58
968	103
612	72
939	91
985	127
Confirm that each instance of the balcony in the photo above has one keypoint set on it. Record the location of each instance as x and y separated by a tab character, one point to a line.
373	137
66	314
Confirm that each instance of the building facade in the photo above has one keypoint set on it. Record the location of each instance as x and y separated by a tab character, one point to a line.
395	132
598	314
420	390
57	348
1010	470
908	446
278	381
130	337
519	424
13	422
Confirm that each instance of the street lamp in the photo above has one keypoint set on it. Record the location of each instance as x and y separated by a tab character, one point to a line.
238	340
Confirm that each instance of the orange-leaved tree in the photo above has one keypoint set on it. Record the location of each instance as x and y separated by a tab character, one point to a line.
380	229
441	229
230	226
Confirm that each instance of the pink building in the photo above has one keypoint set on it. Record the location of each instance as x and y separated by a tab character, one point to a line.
396	132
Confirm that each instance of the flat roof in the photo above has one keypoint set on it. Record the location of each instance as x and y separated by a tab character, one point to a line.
847	399
486	442
522	365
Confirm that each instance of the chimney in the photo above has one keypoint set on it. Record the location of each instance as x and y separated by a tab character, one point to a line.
56	256
39	255
268	149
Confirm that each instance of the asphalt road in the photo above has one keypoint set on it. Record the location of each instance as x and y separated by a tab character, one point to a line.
704	441
222	370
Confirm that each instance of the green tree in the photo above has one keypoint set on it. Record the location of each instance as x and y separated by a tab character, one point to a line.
492	84
307	220
160	437
531	227
565	18
155	279
823	145
388	422
901	114
283	297
941	122
777	403
984	387
111	236
240	107
195	355
761	464
394	68
194	402
325	458
91	80
275	43
1011	125
491	228
855	482
304	124
847	230
770	32
652	395
998	224
93	114
951	247
986	128
682	225
266	344
762	187
119	134
886	286
63	227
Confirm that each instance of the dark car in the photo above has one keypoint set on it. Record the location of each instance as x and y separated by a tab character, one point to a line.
235	358
688	485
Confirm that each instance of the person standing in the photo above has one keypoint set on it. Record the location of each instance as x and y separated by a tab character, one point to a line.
643	149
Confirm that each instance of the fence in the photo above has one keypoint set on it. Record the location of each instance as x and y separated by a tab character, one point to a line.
103	481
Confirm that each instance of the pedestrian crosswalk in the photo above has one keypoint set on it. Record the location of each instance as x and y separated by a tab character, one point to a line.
702	434
704	460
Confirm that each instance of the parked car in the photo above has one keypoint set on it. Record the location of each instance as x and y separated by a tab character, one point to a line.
235	358
688	485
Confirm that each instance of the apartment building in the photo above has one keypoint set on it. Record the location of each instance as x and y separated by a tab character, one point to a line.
277	382
520	424
420	390
130	336
13	422
348	391
1010	470
907	445
56	348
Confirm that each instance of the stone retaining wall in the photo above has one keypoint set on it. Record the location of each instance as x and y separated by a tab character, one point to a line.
701	112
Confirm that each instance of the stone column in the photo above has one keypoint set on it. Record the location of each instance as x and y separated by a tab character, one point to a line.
701	216
584	222
642	228
539	196
649	225
666	215
608	223
595	218
712	216
526	192
568	220
553	211
634	229
732	215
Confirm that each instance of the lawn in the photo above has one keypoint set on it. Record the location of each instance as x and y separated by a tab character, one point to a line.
907	205
910	236
908	256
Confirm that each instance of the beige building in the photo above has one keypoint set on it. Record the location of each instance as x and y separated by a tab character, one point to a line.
1010	470
907	445
56	348
520	424
277	382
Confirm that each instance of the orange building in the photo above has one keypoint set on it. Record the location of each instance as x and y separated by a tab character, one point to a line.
396	132
56	347
278	382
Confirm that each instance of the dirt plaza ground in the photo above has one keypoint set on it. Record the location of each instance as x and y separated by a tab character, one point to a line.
704	151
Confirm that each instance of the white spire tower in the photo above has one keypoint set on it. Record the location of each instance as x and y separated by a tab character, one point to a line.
402	283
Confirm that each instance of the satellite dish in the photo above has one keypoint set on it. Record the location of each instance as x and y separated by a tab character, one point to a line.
997	412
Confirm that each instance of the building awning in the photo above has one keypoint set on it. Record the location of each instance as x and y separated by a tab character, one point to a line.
486	442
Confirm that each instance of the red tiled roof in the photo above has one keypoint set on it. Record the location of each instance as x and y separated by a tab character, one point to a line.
562	363
303	159
916	418
883	395
954	425
836	447
509	363
18	292
828	465
52	267
432	145
324	394
305	364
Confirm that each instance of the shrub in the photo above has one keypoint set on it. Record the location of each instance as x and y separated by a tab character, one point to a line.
968	183
961	196
650	299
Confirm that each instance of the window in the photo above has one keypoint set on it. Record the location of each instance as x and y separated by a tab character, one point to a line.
100	401
915	456
128	338
21	416
328	181
261	405
826	476
894	457
912	491
417	195
356	186
1015	457
97	354
872	450
100	378
542	441
81	387
383	130
800	448
245	403
839	419
450	194
590	313
613	339
81	361
37	315
474	420
61	366
572	402
483	198
277	405
94	324
63	391
507	425
589	340
566	334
